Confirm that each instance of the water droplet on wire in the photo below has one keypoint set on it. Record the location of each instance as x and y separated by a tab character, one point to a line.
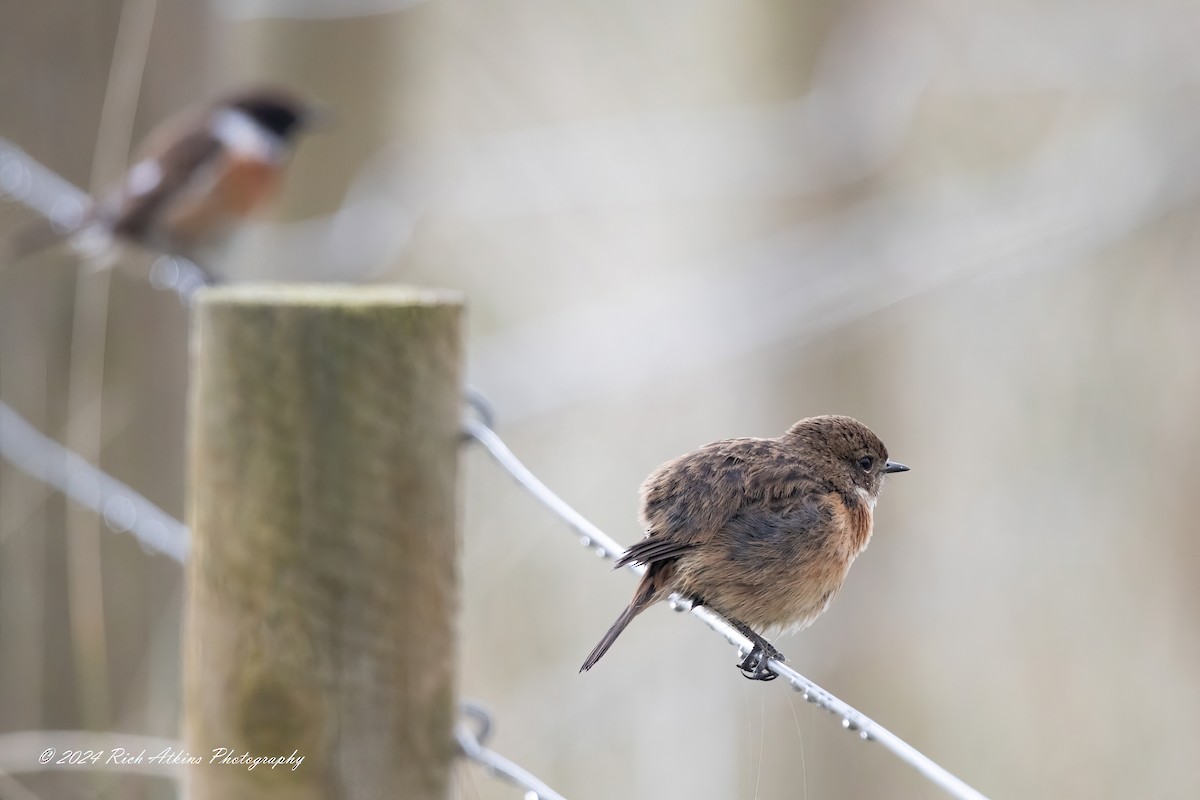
14	178
66	214
165	273
120	513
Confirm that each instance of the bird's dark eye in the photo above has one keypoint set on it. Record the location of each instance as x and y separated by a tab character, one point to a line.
866	462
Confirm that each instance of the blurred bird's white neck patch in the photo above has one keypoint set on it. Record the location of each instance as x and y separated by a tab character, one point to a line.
144	177
245	137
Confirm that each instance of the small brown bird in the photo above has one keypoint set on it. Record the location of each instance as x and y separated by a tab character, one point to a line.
200	174
762	531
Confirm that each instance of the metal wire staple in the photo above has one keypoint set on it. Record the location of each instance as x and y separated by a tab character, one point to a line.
470	741
605	546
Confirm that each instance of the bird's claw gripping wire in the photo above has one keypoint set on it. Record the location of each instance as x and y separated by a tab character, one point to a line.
754	666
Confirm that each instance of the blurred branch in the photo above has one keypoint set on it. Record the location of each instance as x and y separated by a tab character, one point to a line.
122	508
85	376
114	136
606	547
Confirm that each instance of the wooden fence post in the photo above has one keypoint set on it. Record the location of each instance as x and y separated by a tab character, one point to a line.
323	581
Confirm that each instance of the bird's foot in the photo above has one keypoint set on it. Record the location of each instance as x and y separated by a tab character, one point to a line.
754	665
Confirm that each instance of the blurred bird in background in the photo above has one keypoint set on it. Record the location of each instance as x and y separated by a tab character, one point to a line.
199	175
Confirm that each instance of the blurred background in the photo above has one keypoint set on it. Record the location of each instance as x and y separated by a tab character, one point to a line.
972	226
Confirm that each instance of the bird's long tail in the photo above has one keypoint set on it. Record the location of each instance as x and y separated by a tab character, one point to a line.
41	235
641	599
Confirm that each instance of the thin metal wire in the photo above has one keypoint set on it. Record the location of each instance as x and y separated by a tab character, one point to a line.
25	179
123	509
470	741
601	543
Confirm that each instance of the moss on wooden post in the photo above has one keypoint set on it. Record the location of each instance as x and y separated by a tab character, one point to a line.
323	578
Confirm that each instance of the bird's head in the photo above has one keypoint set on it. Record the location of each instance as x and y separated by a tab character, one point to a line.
847	448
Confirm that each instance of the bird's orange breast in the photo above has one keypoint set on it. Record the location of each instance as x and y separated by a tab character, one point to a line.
233	189
247	184
856	524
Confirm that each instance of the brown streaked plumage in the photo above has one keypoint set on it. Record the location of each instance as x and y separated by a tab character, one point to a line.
762	531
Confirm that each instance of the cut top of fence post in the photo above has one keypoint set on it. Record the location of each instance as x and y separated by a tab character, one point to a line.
327	294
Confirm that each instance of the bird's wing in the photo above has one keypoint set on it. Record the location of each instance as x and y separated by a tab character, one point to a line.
781	526
687	500
154	179
652	550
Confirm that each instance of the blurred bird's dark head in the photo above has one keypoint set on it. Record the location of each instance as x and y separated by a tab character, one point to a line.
847	449
282	112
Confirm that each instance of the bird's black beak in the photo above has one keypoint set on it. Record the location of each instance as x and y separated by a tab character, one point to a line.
895	466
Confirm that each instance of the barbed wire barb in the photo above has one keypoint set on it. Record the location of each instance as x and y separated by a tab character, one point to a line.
470	741
604	545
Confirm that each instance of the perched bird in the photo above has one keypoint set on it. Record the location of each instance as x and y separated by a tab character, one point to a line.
762	531
199	175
